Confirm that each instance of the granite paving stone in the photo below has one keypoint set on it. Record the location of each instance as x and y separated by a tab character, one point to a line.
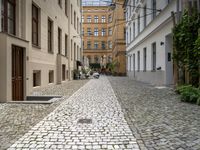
157	117
101	117
17	119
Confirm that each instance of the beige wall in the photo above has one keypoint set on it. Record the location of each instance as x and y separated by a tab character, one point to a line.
38	58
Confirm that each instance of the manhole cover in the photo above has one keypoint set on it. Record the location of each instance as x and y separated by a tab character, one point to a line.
85	121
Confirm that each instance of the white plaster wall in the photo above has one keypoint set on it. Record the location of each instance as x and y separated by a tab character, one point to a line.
155	31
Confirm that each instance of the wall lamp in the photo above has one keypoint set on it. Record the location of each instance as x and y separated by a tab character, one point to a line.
162	43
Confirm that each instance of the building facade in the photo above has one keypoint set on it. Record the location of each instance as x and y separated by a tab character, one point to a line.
118	37
103	35
37	45
149	40
95	35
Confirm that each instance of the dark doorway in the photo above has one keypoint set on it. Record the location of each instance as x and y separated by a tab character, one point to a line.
17	73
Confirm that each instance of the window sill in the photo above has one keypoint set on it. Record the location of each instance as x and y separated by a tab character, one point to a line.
38	86
36	46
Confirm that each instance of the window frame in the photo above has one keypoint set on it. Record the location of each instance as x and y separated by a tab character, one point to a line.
35	19
50	36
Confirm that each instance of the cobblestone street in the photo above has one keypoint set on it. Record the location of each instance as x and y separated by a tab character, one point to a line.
17	119
63	129
157	117
140	116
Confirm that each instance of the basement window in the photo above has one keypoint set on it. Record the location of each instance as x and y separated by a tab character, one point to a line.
36	78
51	76
63	72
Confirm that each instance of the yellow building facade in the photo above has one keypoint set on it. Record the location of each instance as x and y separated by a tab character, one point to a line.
103	36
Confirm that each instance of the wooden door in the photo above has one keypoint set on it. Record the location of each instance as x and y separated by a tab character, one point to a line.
17	73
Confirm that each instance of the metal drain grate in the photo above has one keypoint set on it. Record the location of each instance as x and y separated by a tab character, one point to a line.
85	121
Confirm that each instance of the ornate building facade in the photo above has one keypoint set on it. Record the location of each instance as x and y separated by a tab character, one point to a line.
103	35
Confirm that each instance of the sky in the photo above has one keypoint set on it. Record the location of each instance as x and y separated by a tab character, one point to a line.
95	2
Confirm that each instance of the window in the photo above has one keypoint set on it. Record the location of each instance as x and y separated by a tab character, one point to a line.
96	32
63	72
154	56
154	9
66	44
51	76
66	7
50	36
95	45
134	63
110	31
74	51
74	20
35	25
133	30
96	19
36	78
59	40
77	52
89	45
138	61
110	44
103	45
145	17
110	18
89	19
138	24
83	32
89	32
60	3
82	18
130	62
130	34
103	19
103	32
78	25
145	58
7	11
133	4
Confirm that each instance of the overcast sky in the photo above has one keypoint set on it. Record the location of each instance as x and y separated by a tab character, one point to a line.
95	2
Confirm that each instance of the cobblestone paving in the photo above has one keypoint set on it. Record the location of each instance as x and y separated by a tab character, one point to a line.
17	119
157	117
62	130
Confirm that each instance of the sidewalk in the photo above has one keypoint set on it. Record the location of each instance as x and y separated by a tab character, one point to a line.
90	119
